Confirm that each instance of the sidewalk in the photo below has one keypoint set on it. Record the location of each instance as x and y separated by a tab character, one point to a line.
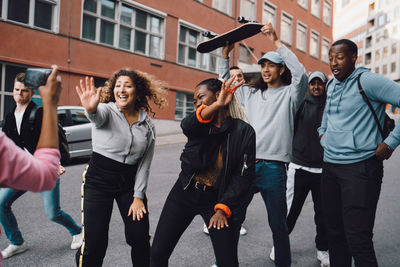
168	132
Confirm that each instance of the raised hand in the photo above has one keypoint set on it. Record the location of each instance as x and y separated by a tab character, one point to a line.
269	31
227	90
87	94
226	50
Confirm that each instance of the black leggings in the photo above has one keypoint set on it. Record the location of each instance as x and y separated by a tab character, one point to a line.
179	210
100	188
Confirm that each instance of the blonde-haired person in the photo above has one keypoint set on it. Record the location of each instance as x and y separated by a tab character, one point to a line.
217	171
123	145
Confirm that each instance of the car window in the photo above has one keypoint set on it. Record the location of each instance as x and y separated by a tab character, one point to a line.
62	117
78	117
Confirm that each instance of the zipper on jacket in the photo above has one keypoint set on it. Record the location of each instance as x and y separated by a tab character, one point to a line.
190	180
245	167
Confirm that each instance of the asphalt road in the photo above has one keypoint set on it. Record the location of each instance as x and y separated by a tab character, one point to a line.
49	242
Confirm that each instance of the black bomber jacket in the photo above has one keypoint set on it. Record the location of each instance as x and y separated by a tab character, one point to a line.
238	140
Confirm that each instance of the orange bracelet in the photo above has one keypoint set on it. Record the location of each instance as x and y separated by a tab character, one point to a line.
198	116
224	208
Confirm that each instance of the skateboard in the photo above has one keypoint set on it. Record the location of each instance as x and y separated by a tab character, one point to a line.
240	33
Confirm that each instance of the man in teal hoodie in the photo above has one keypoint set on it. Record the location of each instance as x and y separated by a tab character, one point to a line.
353	153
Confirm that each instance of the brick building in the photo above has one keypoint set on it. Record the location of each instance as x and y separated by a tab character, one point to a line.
97	37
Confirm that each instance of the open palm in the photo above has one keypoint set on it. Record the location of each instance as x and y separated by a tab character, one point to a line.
88	95
227	90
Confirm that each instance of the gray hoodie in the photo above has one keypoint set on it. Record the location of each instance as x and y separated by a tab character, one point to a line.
271	112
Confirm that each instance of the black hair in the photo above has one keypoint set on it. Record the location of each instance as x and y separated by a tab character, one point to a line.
260	84
234	68
214	85
350	45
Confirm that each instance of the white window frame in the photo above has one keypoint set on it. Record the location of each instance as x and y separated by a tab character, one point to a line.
253	16
303	25
328	4
229	7
117	23
313	10
267	7
287	16
31	17
325	40
313	32
303	3
200	57
185	107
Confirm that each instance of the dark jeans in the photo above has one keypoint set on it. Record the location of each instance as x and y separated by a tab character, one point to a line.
305	182
100	189
179	210
350	194
270	181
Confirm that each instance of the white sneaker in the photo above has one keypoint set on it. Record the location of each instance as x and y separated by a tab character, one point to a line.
243	231
11	250
205	229
323	257
272	254
76	241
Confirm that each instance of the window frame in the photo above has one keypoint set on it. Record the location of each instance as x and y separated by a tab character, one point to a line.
229	7
318	43
287	16
299	23
326	40
55	20
185	109
150	12
327	3
254	15
305	5
312	9
268	5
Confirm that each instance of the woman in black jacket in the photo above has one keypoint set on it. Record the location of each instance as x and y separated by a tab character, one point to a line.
217	170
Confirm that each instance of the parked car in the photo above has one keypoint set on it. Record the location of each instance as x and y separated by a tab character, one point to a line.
77	129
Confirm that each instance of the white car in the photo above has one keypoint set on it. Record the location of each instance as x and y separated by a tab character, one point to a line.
78	130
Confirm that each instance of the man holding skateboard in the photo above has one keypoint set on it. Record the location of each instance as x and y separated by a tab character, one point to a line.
271	103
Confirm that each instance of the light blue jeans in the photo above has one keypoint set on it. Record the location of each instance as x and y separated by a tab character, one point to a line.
51	202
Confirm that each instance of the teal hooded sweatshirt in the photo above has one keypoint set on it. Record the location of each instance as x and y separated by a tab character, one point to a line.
350	132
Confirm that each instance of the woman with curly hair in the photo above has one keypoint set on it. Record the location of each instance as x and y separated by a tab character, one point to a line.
123	137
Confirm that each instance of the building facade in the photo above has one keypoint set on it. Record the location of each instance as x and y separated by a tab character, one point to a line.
98	37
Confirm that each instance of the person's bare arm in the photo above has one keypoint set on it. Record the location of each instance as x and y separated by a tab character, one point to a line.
50	94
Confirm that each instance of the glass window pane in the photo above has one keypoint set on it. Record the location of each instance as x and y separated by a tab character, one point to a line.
189	104
155	46
182	34
90	5
155	25
213	63
181	54
43	14
204	60
108	8
89	27
125	37
78	117
141	19
9	104
18	10
11	73
107	32
126	15
192	37
192	56
140	41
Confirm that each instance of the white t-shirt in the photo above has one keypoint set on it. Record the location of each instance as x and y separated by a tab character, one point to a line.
18	119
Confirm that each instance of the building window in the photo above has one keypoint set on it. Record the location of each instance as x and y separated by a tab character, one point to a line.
248	9
345	3
314	44
303	3
325	50
394	49
394	29
377	70
384	69
393	67
183	105
385	52
188	55
245	54
368	58
35	13
316	7
368	42
222	5
286	28
301	37
269	14
377	55
123	26
327	13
